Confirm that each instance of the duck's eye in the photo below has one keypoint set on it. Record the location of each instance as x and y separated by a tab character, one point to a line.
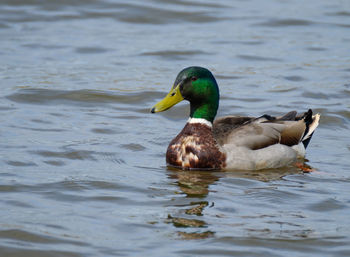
194	78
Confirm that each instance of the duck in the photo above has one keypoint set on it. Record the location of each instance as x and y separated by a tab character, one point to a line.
231	142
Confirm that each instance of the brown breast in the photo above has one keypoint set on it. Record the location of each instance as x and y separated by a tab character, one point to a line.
195	148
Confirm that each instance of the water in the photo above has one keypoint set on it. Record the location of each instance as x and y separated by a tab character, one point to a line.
83	161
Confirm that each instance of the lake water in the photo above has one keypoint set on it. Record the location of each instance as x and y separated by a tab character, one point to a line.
83	161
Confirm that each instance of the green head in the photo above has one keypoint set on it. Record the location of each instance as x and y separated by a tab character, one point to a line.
198	86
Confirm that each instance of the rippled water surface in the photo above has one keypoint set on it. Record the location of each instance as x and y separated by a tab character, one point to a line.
83	161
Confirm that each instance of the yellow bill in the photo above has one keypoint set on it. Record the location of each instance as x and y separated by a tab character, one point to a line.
170	100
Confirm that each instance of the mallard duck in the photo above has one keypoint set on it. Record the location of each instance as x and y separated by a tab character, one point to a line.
231	142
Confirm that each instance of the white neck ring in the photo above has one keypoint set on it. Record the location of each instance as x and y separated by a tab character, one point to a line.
200	121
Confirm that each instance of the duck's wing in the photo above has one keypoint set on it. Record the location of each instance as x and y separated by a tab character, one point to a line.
223	126
257	133
289	137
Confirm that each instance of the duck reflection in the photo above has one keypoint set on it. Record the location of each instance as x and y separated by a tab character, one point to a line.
195	186
194	183
271	174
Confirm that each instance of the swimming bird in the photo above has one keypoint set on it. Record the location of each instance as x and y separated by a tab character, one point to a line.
231	142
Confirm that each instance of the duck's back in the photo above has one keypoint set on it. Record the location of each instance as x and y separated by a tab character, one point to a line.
266	141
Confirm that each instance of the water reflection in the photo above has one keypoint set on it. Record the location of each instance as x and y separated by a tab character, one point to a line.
270	174
189	218
194	184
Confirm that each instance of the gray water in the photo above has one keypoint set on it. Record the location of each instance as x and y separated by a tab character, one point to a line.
83	161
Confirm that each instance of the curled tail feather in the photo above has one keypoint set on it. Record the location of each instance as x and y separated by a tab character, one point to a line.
311	122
